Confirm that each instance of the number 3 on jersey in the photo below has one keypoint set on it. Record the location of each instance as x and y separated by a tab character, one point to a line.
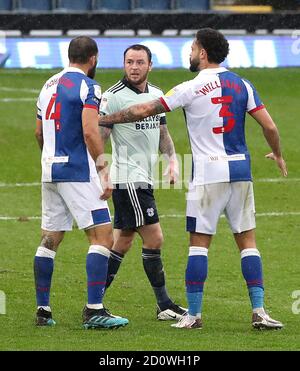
224	112
56	114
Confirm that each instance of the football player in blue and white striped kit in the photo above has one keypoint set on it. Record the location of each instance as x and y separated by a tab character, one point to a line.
215	103
67	133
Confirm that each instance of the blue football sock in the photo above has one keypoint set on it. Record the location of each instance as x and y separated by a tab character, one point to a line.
195	303
256	295
252	272
195	275
43	270
96	268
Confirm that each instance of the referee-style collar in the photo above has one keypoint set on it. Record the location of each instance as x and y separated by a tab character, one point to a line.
73	69
133	88
212	71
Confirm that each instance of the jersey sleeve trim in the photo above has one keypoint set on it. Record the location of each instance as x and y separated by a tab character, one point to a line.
109	126
163	102
256	109
38	116
163	120
90	106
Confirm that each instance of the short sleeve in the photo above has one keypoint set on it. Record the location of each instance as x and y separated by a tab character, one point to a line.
93	96
108	104
254	102
180	96
163	120
157	94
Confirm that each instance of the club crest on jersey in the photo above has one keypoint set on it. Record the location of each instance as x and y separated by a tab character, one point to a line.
97	91
103	104
150	211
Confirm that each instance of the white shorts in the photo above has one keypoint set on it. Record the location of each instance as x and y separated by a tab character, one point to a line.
206	203
64	201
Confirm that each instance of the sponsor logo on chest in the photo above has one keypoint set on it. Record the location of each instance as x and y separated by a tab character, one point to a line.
151	122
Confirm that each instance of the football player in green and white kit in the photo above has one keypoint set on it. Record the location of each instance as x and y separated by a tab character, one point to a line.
134	153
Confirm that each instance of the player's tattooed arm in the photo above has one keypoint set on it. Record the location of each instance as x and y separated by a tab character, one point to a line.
134	113
166	145
105	132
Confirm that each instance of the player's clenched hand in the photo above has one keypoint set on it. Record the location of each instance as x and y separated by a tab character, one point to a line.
172	171
280	162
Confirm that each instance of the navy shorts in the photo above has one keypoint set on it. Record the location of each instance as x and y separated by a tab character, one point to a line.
134	205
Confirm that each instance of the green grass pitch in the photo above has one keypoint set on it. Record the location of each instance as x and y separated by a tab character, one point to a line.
226	309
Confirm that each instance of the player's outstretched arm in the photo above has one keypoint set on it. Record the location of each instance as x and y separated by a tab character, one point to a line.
134	113
271	134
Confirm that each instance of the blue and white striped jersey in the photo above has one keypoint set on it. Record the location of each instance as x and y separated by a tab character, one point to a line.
215	104
65	157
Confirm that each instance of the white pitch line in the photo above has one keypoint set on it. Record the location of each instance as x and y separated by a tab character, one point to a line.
269	214
163	216
261	180
258	180
6	88
276	180
11	100
23	218
287	213
13	185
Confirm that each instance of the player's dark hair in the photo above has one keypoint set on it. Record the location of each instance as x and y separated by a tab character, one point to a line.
215	44
139	47
81	49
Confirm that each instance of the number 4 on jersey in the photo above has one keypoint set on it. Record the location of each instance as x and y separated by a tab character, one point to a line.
56	114
224	112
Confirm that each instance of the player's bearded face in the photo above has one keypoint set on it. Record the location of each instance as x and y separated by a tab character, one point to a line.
92	71
137	78
137	66
194	58
194	64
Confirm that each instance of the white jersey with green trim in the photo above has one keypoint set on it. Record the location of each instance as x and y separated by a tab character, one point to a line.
134	145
